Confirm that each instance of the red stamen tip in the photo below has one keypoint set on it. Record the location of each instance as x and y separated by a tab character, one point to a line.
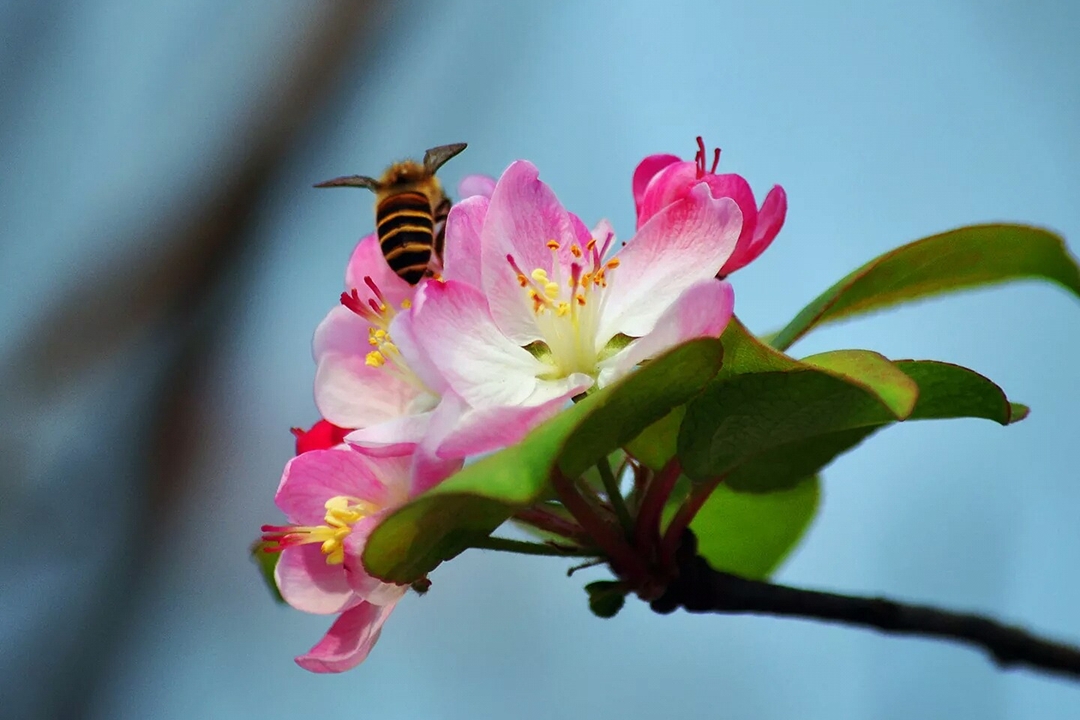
352	301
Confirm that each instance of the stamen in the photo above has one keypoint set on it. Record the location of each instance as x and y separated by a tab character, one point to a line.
553	245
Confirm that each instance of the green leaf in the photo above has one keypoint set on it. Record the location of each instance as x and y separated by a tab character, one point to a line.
765	431
606	597
963	258
744	353
750	535
416	537
874	373
788	464
267	563
655	447
640	400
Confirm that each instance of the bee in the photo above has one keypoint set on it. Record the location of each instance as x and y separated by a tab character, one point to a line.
410	212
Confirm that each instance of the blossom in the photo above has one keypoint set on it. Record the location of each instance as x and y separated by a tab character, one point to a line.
548	314
660	180
333	499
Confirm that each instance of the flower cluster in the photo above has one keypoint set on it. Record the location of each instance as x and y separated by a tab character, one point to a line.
531	309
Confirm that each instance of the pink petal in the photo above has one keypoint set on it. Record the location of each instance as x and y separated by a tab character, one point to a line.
603	231
582	234
645	172
416	358
671	183
391	438
313	478
479	363
462	254
348	641
350	393
681	245
363	584
523	216
473	185
770	220
309	584
484	430
342	331
703	310
367	261
429	469
392	471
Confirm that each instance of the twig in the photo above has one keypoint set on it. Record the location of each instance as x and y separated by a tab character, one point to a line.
701	589
611	487
530	548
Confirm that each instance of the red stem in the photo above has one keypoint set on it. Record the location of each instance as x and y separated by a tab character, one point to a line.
647	532
543	519
623	559
683	517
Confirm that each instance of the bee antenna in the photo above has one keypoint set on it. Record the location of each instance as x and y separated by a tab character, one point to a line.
361	181
436	157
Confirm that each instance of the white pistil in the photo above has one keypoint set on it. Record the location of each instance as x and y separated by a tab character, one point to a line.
568	312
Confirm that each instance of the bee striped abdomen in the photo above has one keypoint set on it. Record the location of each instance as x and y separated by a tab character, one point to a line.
441	213
406	234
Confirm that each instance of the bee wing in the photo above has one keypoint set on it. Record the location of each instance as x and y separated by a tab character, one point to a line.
362	181
436	157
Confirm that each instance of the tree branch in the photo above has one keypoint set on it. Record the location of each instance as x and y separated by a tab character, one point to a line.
701	589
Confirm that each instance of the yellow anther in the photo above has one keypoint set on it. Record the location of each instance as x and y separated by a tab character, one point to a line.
553	245
406	304
374	359
540	275
562	309
372	341
551	290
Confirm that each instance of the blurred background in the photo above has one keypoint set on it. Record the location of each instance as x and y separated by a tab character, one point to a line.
164	261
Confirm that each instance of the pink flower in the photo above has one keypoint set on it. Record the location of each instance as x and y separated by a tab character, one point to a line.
547	314
320	436
472	185
333	499
374	376
660	180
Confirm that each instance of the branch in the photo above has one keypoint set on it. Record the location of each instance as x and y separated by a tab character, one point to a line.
701	589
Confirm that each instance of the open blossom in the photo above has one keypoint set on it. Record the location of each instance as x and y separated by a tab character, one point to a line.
549	312
374	377
660	180
333	499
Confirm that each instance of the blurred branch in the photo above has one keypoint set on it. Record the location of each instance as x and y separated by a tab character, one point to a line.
700	589
169	273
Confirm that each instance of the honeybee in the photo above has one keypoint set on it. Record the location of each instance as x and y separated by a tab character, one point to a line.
410	211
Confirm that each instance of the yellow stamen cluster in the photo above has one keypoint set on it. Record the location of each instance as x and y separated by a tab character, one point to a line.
341	514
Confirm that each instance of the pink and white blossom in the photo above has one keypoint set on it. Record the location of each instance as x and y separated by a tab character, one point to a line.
553	314
333	499
660	180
